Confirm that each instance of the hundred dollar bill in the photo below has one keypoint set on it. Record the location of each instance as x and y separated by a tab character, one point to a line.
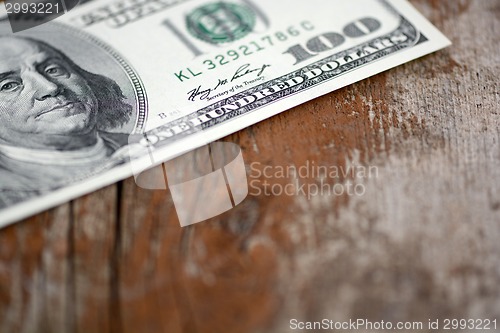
92	95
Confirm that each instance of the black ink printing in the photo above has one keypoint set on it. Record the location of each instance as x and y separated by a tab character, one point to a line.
243	70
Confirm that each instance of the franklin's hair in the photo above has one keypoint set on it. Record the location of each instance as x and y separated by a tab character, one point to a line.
112	111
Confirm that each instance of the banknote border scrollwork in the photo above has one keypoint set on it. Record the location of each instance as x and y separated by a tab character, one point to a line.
405	26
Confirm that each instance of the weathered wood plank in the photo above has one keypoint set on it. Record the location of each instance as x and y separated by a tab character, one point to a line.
421	242
34	274
93	278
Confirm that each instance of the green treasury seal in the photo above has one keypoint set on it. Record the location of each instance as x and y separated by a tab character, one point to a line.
220	22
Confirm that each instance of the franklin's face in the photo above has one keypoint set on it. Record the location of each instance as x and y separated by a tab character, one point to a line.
40	94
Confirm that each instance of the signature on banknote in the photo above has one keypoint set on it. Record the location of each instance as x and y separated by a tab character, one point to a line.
242	71
189	72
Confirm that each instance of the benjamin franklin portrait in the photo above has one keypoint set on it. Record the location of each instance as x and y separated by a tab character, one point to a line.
59	122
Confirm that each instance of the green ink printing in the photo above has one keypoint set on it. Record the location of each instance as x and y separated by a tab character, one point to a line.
220	22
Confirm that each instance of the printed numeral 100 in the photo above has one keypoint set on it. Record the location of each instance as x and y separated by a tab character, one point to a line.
330	40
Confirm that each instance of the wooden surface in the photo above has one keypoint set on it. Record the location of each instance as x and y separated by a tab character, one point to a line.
422	243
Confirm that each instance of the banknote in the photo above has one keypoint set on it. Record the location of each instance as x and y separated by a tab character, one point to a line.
85	96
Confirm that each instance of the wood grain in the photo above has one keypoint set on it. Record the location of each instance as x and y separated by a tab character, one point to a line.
421	243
